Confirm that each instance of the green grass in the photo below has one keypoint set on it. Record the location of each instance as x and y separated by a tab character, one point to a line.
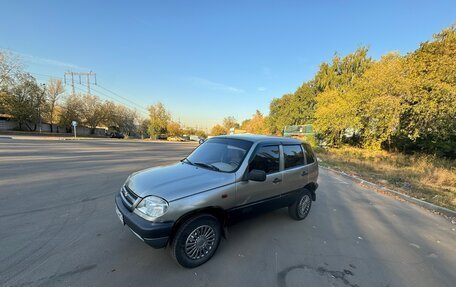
424	177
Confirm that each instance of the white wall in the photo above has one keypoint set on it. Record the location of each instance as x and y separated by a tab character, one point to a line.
6	125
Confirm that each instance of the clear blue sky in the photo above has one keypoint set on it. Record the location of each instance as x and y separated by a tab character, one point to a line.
206	59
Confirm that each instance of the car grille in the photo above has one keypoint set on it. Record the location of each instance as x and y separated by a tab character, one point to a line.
128	197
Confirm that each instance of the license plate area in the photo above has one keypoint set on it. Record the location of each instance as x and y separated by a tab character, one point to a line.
120	215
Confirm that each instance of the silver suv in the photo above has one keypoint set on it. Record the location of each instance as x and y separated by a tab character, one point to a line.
187	205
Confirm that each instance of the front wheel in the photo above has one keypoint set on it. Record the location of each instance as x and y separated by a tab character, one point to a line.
301	207
196	241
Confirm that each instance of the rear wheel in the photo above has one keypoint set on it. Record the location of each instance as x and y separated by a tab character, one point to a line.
196	240
301	207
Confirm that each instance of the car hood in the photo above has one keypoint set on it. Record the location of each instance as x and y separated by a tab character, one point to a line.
176	181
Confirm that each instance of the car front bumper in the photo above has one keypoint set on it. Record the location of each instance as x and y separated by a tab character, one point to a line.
154	234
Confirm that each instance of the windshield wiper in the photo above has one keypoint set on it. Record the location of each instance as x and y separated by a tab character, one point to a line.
208	165
188	161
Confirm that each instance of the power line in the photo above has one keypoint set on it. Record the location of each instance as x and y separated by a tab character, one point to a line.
88	76
124	98
136	105
114	93
107	96
44	75
98	85
144	111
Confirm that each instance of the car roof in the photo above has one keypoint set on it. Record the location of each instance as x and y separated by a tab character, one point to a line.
261	138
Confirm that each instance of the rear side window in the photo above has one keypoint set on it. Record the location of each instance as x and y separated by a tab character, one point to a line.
309	153
293	155
267	159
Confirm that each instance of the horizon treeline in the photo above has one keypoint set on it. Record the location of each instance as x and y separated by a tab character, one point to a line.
402	103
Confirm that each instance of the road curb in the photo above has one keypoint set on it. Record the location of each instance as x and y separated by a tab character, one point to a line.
55	138
435	208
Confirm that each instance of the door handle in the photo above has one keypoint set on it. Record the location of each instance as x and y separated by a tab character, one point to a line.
276	180
304	173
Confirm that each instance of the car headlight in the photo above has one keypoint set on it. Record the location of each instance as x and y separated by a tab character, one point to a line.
152	207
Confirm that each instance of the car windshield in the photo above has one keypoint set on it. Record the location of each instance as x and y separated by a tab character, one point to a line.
220	154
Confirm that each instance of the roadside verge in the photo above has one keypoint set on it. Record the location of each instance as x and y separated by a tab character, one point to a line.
448	213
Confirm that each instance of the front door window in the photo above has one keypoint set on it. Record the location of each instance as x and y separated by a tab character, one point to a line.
267	159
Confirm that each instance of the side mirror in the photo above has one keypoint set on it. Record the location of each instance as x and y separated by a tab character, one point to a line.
256	175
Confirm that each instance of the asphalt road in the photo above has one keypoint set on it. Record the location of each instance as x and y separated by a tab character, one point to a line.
58	227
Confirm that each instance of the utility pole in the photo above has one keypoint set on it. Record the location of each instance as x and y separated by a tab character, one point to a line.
88	75
72	80
88	84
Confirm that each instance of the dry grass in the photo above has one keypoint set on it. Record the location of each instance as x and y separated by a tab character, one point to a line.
422	176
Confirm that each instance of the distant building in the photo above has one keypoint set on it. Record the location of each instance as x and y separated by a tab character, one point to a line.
298	131
234	131
7	122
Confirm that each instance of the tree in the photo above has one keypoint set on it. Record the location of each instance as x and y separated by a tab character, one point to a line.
21	96
128	120
218	130
10	70
430	108
174	128
341	73
230	122
303	106
92	111
72	110
4	98
293	109
111	119
245	123
336	114
278	114
200	133
119	118
193	131
402	102
158	120
143	128
257	124
54	91
24	101
381	91
336	103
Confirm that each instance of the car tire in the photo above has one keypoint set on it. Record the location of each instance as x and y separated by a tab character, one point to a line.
196	240
301	207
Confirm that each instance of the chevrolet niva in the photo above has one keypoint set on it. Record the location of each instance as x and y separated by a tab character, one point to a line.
186	205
